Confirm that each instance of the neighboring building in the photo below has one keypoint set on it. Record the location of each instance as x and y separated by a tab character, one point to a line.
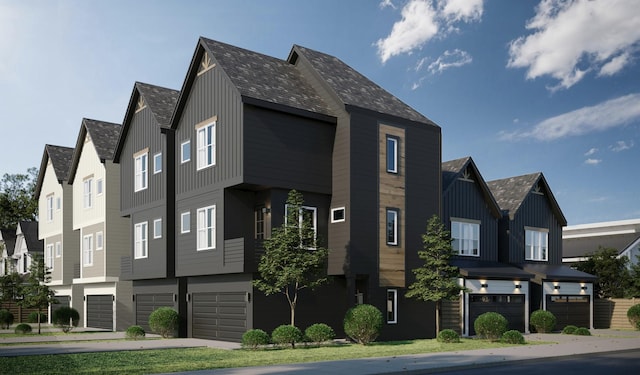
580	241
103	233
7	246
27	246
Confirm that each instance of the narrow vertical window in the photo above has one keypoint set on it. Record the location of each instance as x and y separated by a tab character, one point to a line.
392	306
185	151
99	241
48	257
392	154
157	163
99	187
58	249
260	213
50	208
206	220
392	227
307	224
87	193
87	250
157	228
140	240
58	203
141	164
206	147
185	222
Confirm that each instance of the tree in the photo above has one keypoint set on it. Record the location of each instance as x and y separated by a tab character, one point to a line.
35	294
612	272
436	279
17	200
292	260
9	287
634	279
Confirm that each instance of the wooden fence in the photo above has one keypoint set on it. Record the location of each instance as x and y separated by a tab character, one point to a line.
20	314
612	313
451	316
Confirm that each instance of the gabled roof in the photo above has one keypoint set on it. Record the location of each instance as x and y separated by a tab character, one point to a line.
29	230
60	157
354	89
161	101
104	136
454	169
511	192
9	238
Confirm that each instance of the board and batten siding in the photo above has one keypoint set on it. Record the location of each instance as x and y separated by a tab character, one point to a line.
117	239
155	264
71	238
50	188
89	165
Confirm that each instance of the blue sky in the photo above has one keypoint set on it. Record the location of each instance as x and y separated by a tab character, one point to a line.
521	86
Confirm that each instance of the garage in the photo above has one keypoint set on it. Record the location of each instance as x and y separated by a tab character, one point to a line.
574	310
100	311
147	303
511	306
218	316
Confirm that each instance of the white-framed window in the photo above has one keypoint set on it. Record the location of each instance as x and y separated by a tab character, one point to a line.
536	243
141	164
392	154
48	256
50	207
185	222
185	151
392	306
58	203
99	241
140	240
58	249
338	215
99	187
307	224
260	213
465	236
87	192
206	223
157	163
206	145
87	250
157	228
392	226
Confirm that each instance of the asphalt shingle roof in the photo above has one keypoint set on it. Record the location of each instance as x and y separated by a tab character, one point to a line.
30	231
451	169
9	237
161	101
61	158
104	136
511	192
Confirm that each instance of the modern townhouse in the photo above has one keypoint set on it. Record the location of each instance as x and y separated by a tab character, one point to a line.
103	234
7	246
28	247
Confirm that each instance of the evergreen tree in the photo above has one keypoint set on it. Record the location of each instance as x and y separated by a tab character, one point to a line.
35	294
17	200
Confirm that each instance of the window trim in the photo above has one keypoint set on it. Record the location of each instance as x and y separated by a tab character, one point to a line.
157	166
206	152
185	158
58	249
396	146
157	235
208	226
186	214
396	239
87	195
465	222
344	215
141	176
99	187
260	213
87	254
301	218
529	251
50	207
393	306
99	240
143	240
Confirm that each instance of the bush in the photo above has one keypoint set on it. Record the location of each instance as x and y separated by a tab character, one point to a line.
254	338
164	321
363	323
23	328
286	334
569	330
543	321
319	332
6	319
512	337
490	325
634	316
582	332
33	317
65	318
448	336
135	332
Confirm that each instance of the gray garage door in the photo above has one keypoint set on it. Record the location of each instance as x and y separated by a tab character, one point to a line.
218	316
511	306
569	310
63	301
100	311
147	303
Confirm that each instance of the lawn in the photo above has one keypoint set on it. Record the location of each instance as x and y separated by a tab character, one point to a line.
174	360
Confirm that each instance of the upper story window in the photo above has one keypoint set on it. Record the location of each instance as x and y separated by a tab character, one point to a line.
206	228
260	213
50	207
99	241
185	222
307	224
99	187
392	154
140	240
185	151
87	192
48	256
58	203
206	137
87	250
465	237
392	226
338	215
140	170
58	249
157	228
157	163
536	244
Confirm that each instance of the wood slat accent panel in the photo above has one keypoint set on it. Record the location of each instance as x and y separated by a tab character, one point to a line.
612	313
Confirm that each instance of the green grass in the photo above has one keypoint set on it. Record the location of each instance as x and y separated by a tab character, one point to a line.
174	360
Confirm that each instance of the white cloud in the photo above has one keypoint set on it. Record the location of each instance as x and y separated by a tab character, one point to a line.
593	161
591	151
610	114
571	38
387	3
463	10
450	59
621	146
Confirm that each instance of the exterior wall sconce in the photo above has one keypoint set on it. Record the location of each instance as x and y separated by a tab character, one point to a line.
484	285
518	286
556	287
583	287
266	210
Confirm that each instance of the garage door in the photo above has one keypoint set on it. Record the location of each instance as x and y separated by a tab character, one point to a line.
63	301
511	306
569	310
100	311
147	303
218	316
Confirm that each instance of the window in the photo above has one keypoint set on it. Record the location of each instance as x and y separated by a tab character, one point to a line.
99	187
157	163
140	182
260	213
88	198
185	222
465	238
206	137
337	215
536	242
392	227
185	151
392	306
99	241
50	208
87	250
307	224
48	256
206	228
58	203
58	249
392	154
140	240
157	228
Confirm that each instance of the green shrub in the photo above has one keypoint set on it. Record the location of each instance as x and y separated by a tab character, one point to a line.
543	321
254	338
33	317
164	321
363	323
582	332
135	332
319	332
634	316
448	336
22	329
490	325
6	319
512	337
569	330
65	318
286	334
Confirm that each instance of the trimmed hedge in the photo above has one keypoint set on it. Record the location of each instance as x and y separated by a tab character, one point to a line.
254	338
164	321
319	332
582	331
448	336
135	332
543	321
633	314
65	318
569	330
512	337
363	323
286	334
6	319
23	329
491	325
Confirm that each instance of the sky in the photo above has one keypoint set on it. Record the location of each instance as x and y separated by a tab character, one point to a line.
521	86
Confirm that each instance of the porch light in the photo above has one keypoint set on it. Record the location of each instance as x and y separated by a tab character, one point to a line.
518	286
484	285
556	287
